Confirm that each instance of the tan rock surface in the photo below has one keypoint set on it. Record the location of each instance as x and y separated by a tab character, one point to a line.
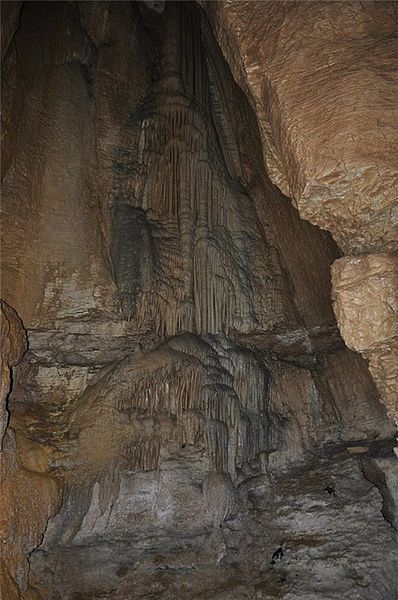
365	294
322	79
186	400
72	218
327	114
13	345
27	499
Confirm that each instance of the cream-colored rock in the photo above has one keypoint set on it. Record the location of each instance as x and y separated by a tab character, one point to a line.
365	299
322	78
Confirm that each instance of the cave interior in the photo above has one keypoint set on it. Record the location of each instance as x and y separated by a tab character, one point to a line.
181	395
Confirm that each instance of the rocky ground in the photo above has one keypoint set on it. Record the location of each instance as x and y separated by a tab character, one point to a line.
336	545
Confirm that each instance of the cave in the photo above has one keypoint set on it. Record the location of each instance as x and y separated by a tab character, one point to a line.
199	283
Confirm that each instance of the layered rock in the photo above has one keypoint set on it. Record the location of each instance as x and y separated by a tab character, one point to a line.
184	366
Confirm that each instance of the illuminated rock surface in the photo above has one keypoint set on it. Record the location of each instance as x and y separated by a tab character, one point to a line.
186	398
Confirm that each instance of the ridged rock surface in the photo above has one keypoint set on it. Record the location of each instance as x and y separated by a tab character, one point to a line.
13	347
322	78
365	292
27	497
186	403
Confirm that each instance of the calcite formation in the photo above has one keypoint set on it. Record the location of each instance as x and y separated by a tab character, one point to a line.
184	403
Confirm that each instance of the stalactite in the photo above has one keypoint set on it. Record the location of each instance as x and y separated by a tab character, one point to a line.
142	455
189	256
189	391
209	266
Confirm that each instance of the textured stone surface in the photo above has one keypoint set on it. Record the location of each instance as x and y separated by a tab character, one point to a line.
322	79
365	293
13	346
186	397
27	498
77	272
366	300
328	543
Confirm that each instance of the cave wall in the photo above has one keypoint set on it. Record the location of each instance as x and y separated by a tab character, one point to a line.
182	341
322	80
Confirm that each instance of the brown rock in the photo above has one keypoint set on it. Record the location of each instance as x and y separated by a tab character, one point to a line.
186	398
13	345
27	498
321	77
365	295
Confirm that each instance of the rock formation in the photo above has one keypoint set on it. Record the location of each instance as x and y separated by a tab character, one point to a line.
186	404
327	116
13	347
365	290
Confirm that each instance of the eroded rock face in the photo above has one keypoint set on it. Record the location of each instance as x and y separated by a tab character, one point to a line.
365	292
322	80
28	498
326	113
13	347
365	297
186	398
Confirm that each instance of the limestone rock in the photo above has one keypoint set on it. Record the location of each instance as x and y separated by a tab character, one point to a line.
365	292
27	498
326	111
186	400
382	472
322	79
327	542
13	347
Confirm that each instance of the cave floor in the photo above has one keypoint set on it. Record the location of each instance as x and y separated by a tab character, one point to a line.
334	547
